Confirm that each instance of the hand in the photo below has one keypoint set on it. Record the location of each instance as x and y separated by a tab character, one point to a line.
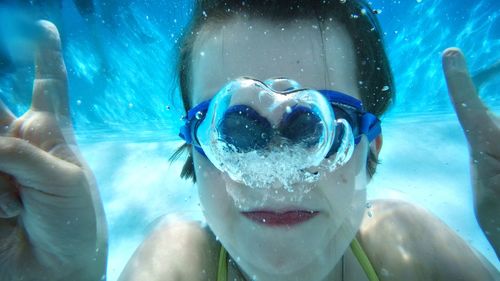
482	130
51	219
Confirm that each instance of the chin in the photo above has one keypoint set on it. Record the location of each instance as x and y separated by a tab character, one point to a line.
278	250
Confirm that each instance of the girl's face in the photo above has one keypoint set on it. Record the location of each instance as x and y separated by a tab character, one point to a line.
318	58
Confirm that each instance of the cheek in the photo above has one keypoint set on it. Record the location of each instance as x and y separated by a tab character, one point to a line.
339	191
211	187
345	189
217	205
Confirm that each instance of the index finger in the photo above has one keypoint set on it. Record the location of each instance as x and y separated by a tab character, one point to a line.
50	90
472	113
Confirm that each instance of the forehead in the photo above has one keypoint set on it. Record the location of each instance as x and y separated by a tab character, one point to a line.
316	57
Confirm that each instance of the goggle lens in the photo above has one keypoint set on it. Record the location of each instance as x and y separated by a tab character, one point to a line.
244	129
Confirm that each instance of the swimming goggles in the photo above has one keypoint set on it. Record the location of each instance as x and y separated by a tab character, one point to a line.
263	133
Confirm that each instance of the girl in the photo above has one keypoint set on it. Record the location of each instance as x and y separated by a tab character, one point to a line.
258	78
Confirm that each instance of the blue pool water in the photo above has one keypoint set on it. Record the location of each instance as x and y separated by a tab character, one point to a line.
127	125
139	185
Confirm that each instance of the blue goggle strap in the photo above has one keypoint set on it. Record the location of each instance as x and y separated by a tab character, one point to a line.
191	122
370	124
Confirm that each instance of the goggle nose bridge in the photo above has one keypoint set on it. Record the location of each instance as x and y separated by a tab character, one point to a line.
282	85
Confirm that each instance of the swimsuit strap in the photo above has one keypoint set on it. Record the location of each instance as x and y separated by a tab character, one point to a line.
222	271
363	260
356	248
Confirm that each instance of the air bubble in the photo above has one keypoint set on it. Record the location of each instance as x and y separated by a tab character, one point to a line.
385	88
282	161
199	115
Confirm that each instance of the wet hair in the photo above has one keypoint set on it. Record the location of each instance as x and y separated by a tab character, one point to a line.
375	78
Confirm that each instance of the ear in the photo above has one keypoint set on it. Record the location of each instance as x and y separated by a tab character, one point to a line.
376	145
372	162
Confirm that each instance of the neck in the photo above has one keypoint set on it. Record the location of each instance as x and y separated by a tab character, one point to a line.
336	274
326	267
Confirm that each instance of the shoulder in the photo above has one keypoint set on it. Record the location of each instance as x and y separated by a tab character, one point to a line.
406	242
174	250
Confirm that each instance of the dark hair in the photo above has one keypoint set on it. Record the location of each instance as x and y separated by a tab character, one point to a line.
375	77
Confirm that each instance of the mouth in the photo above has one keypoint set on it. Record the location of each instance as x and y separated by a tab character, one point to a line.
280	219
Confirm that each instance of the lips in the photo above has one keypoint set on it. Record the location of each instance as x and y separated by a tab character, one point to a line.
288	218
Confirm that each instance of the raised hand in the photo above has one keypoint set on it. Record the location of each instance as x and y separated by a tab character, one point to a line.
52	224
482	130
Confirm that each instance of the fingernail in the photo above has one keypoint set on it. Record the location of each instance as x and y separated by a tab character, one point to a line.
454	60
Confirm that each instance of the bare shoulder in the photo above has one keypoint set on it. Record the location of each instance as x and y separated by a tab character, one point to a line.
406	242
174	250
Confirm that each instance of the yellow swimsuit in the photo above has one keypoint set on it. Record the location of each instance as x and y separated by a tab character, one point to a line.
355	247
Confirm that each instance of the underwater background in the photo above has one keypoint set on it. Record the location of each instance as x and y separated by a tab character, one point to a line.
127	124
